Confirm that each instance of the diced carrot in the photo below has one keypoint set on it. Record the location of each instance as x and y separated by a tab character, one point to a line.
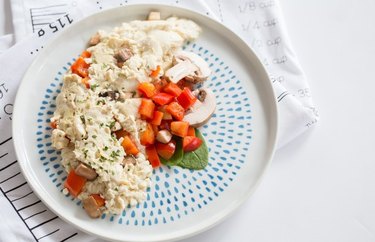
85	81
121	133
179	128
74	183
160	84
99	200
152	156
80	67
155	73
176	110
86	54
158	116
53	124
146	108
186	98
172	89
162	98
129	146
147	137
191	131
147	89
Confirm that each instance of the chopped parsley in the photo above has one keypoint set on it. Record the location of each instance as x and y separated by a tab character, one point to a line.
105	148
112	124
85	152
94	136
115	154
93	87
101	101
82	119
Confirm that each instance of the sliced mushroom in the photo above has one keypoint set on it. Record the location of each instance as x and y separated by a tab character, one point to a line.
91	207
202	71
95	39
153	16
164	136
201	95
86	172
180	70
201	112
113	95
129	159
123	55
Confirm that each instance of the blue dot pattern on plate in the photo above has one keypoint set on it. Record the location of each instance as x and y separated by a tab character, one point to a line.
175	192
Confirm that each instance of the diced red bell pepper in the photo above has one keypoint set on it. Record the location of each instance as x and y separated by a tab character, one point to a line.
146	109
147	137
176	110
152	156
162	98
74	183
186	98
173	89
166	150
191	143
80	67
158	117
147	89
179	128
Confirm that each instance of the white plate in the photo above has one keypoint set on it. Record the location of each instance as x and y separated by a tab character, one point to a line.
241	136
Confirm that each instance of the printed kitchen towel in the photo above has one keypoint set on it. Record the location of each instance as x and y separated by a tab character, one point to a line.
258	22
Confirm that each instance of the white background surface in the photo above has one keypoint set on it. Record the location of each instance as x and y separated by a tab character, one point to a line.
320	187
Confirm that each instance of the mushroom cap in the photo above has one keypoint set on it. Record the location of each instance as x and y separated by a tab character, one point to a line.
203	67
201	112
190	66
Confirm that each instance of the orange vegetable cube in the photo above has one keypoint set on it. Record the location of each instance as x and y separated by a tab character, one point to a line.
179	128
80	67
146	109
147	137
158	116
129	146
186	98
176	110
173	89
147	89
74	183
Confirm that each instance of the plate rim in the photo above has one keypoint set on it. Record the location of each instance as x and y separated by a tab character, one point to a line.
23	160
